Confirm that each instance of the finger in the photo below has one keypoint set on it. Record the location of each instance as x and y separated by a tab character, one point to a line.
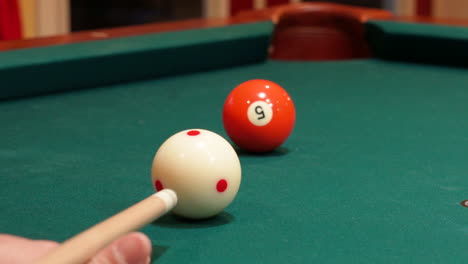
134	248
19	250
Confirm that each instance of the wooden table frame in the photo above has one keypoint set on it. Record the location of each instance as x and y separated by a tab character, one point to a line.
291	26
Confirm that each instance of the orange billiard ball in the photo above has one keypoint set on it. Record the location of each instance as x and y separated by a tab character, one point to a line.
259	115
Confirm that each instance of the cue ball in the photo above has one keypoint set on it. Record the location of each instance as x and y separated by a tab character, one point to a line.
202	168
258	115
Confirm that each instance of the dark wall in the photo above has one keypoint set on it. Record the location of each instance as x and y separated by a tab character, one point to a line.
92	14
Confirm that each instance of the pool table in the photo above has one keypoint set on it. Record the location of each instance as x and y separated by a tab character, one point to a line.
375	171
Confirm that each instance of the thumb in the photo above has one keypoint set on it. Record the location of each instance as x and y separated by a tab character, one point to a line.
134	248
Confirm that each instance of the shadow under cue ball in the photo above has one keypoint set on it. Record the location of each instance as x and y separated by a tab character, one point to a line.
202	168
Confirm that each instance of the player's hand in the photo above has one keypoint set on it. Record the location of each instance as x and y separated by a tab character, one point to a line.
134	248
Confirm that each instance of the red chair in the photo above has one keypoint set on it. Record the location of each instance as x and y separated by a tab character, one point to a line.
10	22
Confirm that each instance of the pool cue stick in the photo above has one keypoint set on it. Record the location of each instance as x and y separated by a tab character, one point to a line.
82	247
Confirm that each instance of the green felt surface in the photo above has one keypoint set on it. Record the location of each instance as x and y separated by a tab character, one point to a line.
373	172
83	65
427	43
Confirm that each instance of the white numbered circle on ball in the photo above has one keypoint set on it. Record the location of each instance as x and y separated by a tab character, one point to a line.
259	113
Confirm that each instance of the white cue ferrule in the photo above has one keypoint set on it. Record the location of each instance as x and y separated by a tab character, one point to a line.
169	197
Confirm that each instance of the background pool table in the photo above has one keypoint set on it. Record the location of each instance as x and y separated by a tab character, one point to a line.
374	171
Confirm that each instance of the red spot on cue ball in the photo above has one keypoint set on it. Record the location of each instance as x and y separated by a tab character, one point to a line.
221	186
159	186
193	133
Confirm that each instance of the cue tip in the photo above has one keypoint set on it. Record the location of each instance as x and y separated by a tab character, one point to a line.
169	198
